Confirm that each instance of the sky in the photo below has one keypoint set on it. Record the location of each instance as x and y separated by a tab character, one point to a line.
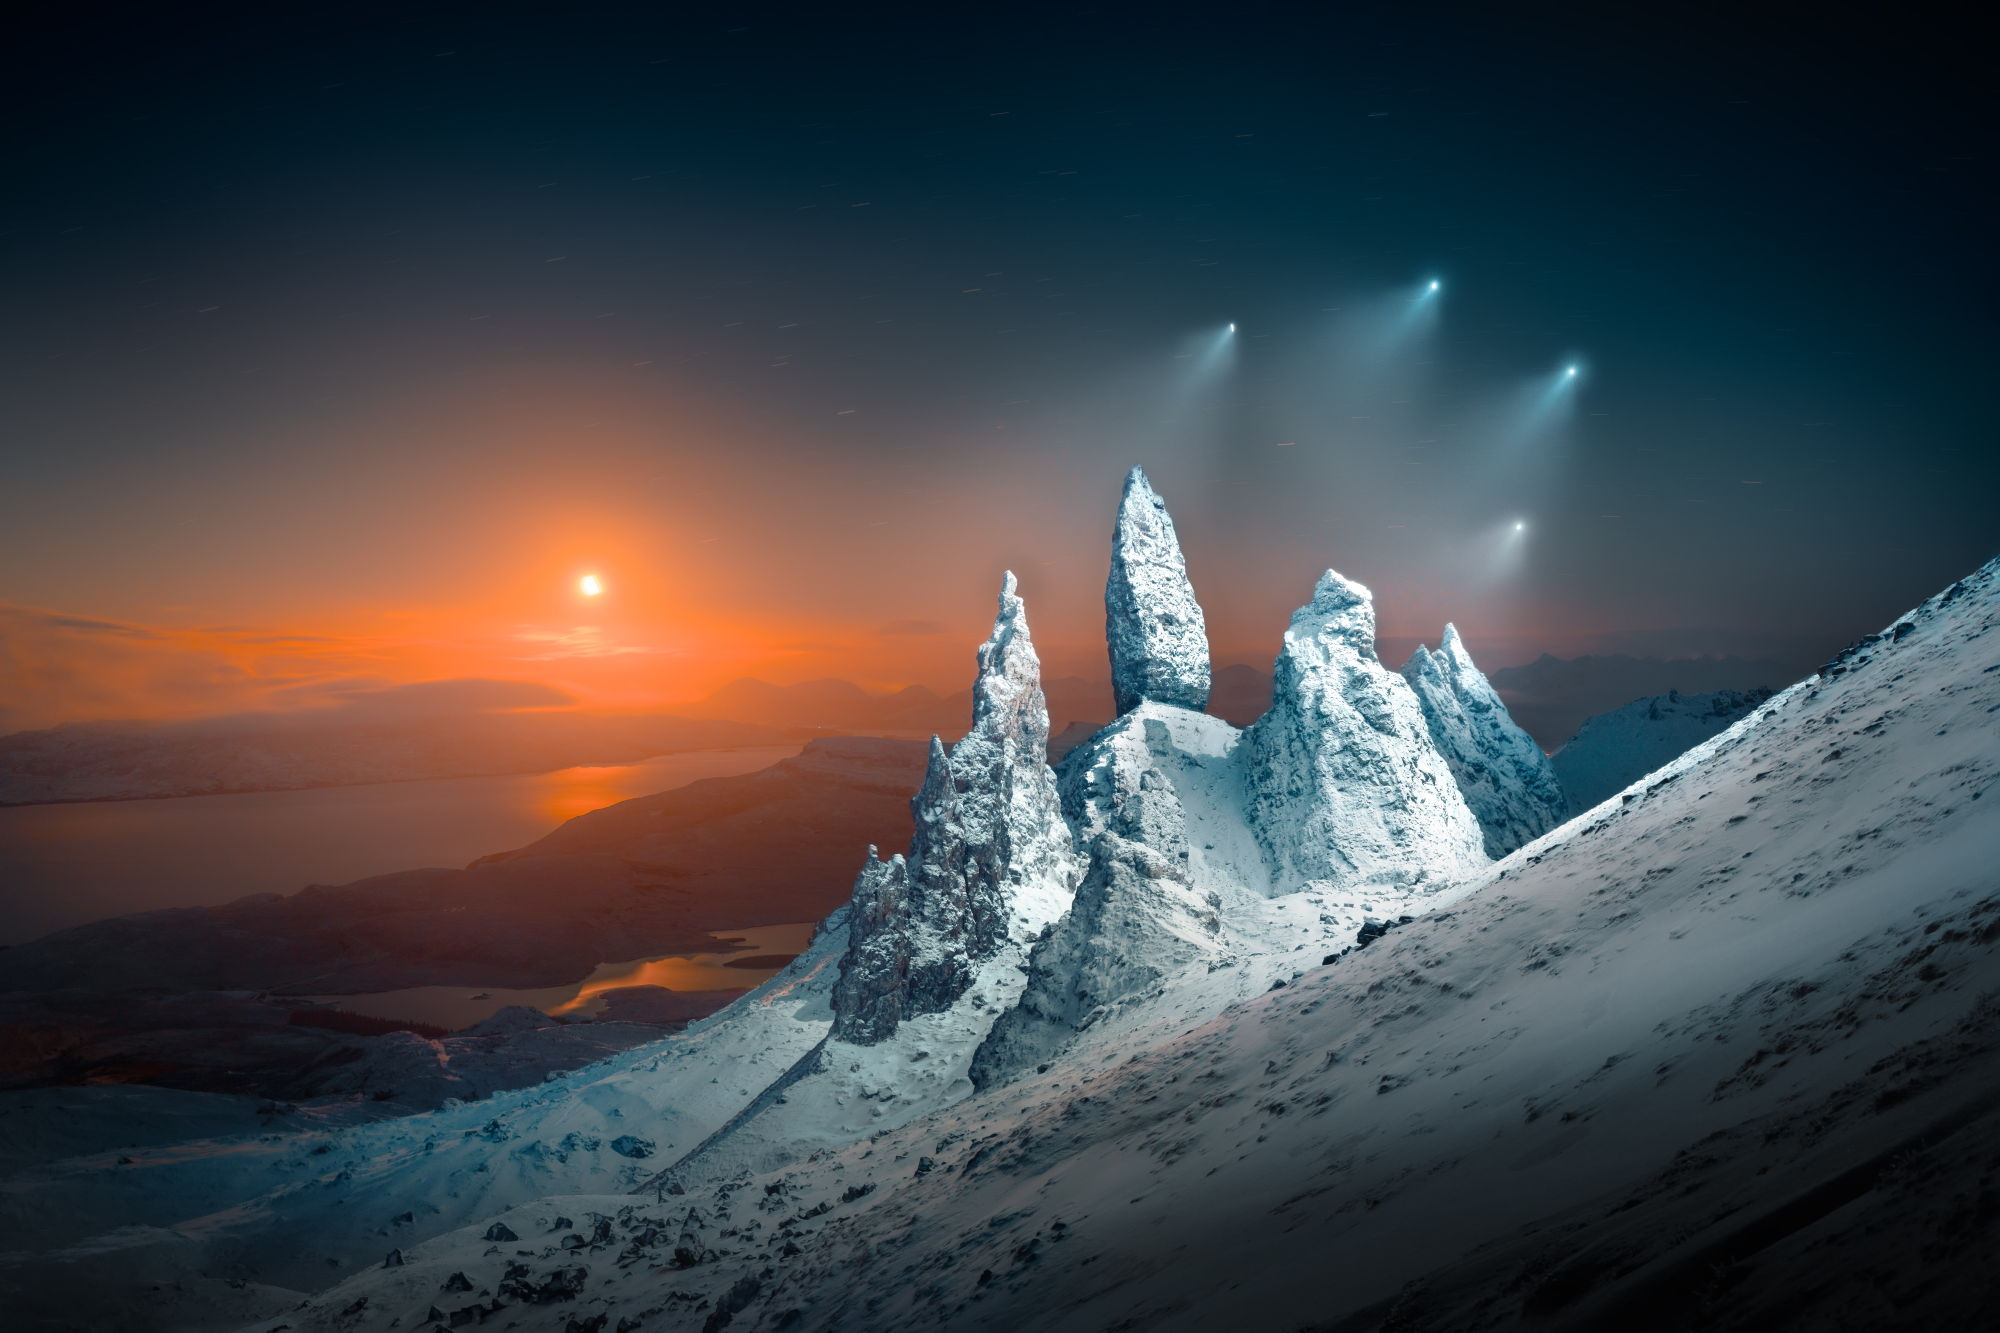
339	345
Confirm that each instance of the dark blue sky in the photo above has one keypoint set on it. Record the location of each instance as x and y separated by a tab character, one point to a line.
957	272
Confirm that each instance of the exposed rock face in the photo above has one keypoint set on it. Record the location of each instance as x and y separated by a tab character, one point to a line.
1343	784
989	830
1138	918
1504	776
1159	643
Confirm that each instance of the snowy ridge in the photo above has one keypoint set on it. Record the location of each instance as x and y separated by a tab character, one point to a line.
1505	778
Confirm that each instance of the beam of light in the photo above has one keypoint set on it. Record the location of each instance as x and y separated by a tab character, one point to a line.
1544	405
1205	358
1375	339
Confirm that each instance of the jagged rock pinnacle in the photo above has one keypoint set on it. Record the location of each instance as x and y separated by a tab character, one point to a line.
1506	779
990	845
1345	785
1154	626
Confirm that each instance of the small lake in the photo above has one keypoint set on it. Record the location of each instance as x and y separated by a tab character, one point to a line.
456	1007
63	865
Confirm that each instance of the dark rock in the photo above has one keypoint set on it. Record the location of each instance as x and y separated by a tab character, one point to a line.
925	1166
458	1282
738	1296
561	1284
1374	930
560	1224
395	1259
631	1145
498	1231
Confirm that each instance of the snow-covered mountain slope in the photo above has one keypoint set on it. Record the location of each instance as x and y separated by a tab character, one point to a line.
291	1210
1677	1034
1505	778
1615	749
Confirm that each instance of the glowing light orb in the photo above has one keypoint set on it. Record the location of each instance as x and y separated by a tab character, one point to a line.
1434	286
1519	526
591	587
1570	371
1232	328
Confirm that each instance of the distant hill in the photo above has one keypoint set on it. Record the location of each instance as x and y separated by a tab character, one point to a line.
1551	697
1613	750
422	737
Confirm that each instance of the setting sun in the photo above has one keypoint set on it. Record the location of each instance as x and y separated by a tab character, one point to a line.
591	587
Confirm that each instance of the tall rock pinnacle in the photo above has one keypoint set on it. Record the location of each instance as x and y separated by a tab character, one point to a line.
991	851
1159	643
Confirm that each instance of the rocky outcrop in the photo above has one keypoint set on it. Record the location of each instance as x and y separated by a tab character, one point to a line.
1503	775
1138	918
1343	784
1158	641
989	834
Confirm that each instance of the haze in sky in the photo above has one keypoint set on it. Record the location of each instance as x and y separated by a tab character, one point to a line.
341	351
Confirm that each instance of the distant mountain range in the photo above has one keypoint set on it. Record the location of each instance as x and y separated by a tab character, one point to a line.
1551	697
440	729
340	747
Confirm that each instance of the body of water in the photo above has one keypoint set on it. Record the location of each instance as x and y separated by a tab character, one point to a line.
456	1007
63	865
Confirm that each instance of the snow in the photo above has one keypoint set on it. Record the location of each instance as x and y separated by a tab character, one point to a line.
1505	778
1152	622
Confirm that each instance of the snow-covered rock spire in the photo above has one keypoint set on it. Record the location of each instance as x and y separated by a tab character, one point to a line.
990	851
1344	785
1158	640
1508	782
